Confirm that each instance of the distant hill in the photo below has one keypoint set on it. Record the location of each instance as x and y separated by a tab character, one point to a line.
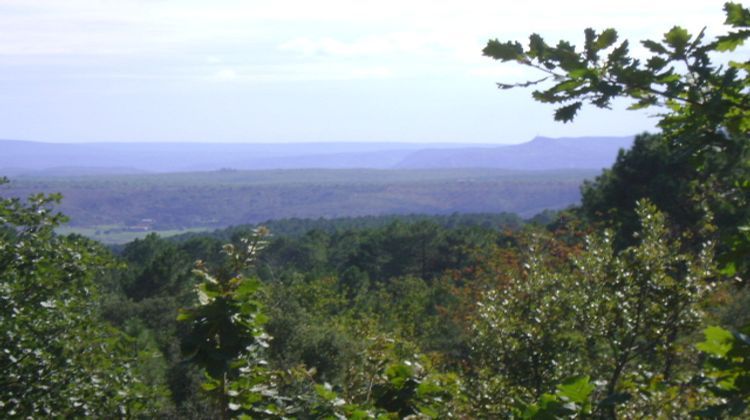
19	158
541	153
27	157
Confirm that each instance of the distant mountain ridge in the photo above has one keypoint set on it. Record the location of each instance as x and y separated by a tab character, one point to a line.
18	158
541	153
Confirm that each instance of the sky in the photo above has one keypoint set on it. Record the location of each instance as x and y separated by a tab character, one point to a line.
271	71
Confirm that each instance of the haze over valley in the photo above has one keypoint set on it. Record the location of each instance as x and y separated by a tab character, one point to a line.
117	191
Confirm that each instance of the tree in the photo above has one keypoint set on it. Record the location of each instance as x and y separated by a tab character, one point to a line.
388	382
618	317
58	358
226	337
704	120
141	297
704	99
646	170
705	106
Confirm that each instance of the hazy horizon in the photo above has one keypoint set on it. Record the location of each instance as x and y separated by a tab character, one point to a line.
322	142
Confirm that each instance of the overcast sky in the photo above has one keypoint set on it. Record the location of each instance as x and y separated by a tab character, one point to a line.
298	70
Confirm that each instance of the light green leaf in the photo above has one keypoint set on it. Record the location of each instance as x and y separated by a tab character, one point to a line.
718	341
732	41
736	15
576	389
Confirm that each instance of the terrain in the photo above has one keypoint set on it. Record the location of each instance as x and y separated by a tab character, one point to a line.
116	192
633	303
117	208
542	153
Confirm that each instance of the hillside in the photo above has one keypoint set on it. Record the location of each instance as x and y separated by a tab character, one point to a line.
224	198
26	157
541	153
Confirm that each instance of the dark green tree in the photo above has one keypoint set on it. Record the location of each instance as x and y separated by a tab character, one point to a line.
647	170
142	298
704	106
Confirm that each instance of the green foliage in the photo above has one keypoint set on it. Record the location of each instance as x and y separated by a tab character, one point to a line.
727	372
58	358
570	400
226	337
698	165
679	75
707	114
378	318
390	385
613	316
162	269
142	296
647	170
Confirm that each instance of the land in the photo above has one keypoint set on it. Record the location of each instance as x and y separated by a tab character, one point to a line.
118	208
116	192
21	158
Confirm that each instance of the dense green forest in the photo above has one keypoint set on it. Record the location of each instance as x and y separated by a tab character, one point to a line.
632	305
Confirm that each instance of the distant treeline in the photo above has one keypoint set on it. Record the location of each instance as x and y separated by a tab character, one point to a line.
296	227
